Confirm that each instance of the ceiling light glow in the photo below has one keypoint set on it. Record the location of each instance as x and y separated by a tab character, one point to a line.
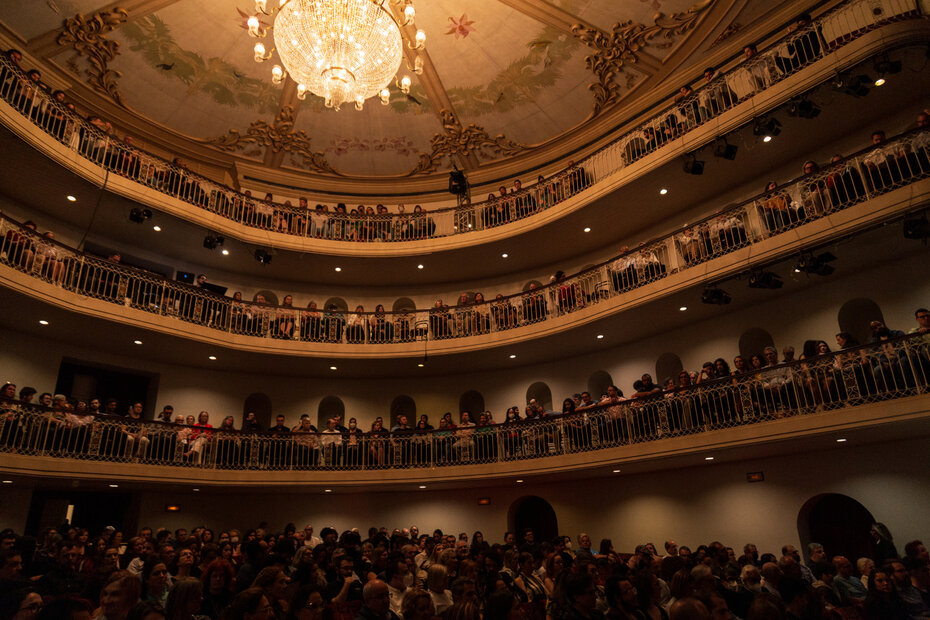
504	255
212	358
43	322
137	342
156	228
682	308
587	229
512	356
70	198
225	252
708	458
419	266
663	191
338	268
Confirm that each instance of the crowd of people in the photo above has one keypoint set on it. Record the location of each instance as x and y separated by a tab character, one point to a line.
67	574
764	386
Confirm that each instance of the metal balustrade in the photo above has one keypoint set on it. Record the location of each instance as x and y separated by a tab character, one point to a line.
870	173
797	50
877	372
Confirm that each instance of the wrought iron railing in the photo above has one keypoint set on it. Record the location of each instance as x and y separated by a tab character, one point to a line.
884	370
872	172
94	141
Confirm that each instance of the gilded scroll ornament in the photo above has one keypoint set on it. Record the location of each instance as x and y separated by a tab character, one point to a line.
87	35
620	46
463	141
278	136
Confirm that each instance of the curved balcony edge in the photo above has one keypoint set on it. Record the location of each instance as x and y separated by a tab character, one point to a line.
175	309
609	169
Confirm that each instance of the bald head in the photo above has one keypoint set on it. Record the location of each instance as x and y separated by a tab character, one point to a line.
376	597
688	609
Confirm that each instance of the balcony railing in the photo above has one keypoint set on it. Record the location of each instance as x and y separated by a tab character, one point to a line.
791	54
818	386
872	172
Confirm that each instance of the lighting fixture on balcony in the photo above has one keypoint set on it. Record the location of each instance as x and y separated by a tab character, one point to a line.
765	280
715	296
262	256
724	149
139	216
852	85
340	50
692	165
817	265
885	66
211	242
766	128
802	107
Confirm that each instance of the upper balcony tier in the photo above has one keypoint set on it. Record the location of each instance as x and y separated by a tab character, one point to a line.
837	40
865	190
869	391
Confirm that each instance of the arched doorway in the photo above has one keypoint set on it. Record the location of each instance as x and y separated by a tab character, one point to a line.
260	404
339	302
668	366
330	407
404	405
598	383
471	401
543	395
403	303
856	314
839	523
753	342
536	513
270	298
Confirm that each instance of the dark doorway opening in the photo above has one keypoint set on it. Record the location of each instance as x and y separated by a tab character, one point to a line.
839	523
536	513
85	380
93	511
259	404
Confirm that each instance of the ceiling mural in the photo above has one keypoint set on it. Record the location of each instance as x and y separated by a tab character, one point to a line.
503	77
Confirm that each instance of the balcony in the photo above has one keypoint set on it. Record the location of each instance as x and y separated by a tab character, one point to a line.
728	102
884	384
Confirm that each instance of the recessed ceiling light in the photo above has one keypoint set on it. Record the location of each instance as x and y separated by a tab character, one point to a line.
708	458
327	490
7	482
841	440
600	336
663	191
70	198
338	268
332	368
587	229
420	365
43	322
114	486
225	252
156	228
422	486
880	81
512	356
616	471
682	308
505	255
212	358
519	481
137	342
195	490
419	266
767	139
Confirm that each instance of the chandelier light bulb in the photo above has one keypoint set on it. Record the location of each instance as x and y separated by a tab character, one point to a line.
421	39
385	96
409	13
253	26
277	74
359	103
405	84
301	92
259	52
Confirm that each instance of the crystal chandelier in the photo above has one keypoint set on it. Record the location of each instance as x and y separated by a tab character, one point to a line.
340	50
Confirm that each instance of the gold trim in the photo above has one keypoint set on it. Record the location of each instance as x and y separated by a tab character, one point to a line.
457	140
278	136
615	49
728	32
87	35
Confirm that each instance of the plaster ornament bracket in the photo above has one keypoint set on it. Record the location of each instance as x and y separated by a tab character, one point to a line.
87	36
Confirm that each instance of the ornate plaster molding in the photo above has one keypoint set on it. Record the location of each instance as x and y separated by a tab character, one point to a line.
728	32
87	35
278	136
619	47
457	140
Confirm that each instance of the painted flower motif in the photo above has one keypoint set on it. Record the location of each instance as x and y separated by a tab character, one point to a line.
460	27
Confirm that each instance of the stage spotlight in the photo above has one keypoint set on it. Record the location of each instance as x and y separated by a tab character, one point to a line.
801	107
693	166
766	128
211	242
458	184
885	66
817	265
715	296
724	149
852	85
262	256
138	215
917	228
765	280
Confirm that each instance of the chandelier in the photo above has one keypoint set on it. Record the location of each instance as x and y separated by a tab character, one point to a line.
340	50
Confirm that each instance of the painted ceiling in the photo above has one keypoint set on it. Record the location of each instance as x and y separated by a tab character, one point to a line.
509	74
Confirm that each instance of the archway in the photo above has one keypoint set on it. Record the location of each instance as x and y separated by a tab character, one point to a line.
260	404
404	405
339	302
471	401
330	407
753	342
270	297
541	392
856	314
535	513
403	303
668	366
839	523
598	383
535	283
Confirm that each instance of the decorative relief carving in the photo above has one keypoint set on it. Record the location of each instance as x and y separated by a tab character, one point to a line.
278	136
615	49
87	35
463	141
728	32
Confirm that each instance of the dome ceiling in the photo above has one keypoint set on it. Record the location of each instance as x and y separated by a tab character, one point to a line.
502	77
